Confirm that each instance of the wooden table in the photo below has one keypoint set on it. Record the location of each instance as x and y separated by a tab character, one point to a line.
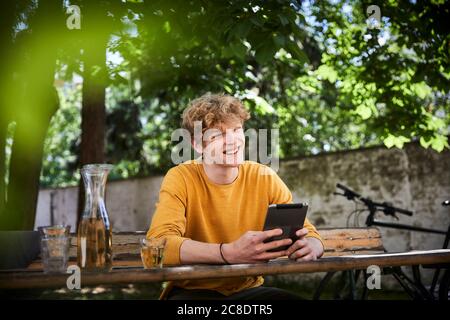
35	278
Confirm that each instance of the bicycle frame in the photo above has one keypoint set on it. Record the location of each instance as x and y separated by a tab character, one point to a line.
371	221
417	290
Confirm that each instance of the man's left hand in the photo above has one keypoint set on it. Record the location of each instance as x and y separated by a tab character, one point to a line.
305	248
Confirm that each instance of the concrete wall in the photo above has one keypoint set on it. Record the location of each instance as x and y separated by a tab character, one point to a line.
412	178
130	204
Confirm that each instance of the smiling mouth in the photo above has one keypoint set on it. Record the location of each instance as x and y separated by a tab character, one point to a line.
231	152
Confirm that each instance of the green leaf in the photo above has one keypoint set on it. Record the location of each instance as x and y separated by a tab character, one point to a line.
424	143
228	89
435	123
284	20
438	2
364	111
439	142
256	21
297	53
262	106
327	72
279	40
265	53
392	140
389	141
227	52
239	49
242	29
398	101
421	89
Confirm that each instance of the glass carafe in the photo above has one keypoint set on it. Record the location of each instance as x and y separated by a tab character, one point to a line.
94	240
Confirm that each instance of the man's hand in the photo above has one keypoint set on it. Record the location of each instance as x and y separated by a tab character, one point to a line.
250	247
305	249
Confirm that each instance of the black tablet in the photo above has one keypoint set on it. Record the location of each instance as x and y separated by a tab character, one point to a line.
288	217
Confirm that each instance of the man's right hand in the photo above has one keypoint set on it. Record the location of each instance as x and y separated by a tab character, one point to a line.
250	247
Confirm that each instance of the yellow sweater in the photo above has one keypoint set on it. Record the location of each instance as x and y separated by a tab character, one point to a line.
190	206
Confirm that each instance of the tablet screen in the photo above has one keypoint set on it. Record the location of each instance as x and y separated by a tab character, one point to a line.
288	217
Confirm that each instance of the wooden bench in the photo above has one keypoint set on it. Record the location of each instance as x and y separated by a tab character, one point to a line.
351	241
368	241
337	242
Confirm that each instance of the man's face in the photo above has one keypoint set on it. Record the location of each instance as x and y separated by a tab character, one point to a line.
224	145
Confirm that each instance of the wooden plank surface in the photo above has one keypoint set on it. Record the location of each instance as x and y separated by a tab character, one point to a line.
134	260
338	240
35	279
352	239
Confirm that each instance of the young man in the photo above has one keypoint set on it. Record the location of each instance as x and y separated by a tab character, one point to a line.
212	210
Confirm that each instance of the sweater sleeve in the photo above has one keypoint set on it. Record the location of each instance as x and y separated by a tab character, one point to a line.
279	193
169	219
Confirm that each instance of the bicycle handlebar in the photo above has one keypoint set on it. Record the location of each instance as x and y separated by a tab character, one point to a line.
386	208
350	194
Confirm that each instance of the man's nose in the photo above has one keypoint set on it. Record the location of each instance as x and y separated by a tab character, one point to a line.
232	137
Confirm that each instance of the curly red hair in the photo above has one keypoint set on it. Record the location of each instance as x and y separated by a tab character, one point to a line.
214	110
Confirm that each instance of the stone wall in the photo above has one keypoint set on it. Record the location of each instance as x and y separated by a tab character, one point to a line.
130	204
413	178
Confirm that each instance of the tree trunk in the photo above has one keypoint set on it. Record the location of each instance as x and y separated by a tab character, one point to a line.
93	113
93	126
36	103
3	130
7	16
25	170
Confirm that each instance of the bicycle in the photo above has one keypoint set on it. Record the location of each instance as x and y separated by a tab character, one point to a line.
415	287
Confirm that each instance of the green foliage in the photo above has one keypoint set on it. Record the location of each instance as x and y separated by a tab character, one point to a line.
314	70
63	137
394	77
